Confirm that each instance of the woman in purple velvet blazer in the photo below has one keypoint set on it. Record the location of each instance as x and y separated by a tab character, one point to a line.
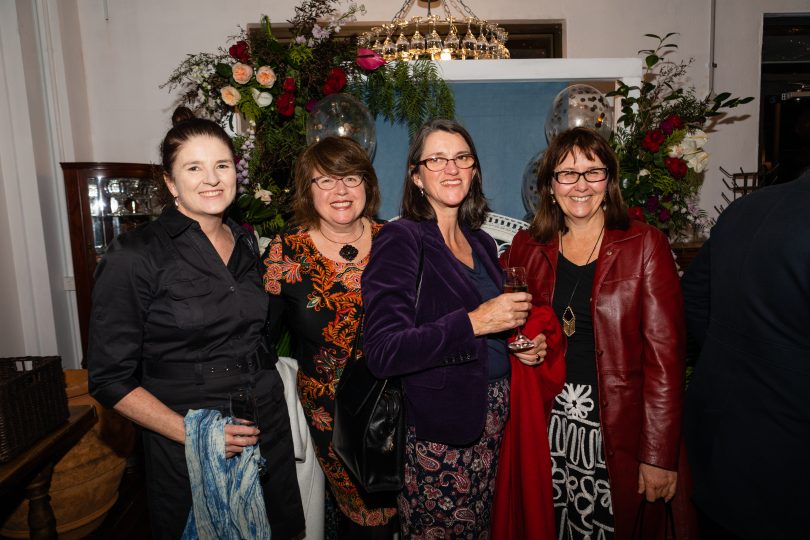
436	317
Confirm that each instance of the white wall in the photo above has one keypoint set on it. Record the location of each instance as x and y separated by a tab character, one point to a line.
112	55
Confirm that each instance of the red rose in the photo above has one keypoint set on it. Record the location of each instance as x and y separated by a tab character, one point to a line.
635	212
653	140
335	81
289	84
240	51
671	123
285	104
676	166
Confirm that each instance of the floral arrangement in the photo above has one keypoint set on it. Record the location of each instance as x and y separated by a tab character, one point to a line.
272	87
660	142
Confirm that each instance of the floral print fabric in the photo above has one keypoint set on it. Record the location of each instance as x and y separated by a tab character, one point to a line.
449	490
318	299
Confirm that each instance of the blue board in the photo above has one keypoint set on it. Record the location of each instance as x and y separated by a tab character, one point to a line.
506	121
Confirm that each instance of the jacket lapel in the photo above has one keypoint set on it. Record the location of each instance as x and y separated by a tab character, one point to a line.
609	253
449	269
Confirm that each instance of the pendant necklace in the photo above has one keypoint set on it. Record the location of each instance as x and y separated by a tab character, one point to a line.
348	251
569	320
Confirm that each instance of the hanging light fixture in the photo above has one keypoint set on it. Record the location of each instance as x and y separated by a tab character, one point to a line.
403	39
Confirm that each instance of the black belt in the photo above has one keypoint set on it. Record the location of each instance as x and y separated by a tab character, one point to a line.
260	359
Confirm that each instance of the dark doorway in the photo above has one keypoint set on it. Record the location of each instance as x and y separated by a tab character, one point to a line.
785	105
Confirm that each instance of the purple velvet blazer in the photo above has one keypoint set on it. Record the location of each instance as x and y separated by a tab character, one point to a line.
431	346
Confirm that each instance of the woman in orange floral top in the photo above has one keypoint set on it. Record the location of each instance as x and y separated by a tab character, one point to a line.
313	277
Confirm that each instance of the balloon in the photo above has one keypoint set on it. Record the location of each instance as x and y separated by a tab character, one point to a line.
342	115
579	105
529	190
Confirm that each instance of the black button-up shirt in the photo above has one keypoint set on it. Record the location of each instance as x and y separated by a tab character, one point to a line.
163	294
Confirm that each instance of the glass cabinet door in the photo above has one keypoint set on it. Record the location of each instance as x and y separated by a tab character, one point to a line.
104	200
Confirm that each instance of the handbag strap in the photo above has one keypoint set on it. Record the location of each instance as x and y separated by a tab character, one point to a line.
669	521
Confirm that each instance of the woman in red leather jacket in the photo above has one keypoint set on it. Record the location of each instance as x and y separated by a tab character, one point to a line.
615	429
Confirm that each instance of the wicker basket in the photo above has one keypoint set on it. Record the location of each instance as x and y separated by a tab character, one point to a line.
32	401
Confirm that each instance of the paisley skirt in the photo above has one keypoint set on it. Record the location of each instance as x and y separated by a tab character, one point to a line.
449	490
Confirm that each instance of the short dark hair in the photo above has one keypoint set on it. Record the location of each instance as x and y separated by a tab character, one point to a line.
335	156
415	206
185	126
548	218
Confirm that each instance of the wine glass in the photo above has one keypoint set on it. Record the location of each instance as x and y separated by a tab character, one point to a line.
515	281
244	411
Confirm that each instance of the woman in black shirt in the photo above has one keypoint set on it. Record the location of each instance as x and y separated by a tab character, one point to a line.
178	312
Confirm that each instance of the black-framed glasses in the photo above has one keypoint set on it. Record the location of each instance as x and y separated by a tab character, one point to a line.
436	163
597	174
328	183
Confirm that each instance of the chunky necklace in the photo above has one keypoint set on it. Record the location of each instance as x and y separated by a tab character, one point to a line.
348	251
569	320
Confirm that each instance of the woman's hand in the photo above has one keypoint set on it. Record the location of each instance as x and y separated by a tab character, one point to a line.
504	312
237	437
537	354
656	483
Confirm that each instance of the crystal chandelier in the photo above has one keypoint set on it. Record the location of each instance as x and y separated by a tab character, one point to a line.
403	39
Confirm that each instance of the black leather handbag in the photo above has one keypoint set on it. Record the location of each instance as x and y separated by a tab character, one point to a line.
368	433
369	426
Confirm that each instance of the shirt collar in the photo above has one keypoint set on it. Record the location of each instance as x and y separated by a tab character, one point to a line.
176	223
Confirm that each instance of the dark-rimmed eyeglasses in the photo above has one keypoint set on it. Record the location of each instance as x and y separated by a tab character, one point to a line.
436	163
597	174
328	183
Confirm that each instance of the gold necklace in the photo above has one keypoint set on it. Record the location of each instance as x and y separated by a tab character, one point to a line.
569	320
348	251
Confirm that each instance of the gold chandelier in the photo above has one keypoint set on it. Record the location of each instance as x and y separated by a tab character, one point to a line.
403	39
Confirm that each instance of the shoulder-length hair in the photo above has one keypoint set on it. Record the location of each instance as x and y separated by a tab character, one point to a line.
548	218
415	206
335	156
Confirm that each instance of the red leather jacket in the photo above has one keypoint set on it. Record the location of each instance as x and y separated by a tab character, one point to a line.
638	321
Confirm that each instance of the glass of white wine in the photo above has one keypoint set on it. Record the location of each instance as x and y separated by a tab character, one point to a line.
514	280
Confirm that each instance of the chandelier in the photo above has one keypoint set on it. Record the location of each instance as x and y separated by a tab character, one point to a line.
402	39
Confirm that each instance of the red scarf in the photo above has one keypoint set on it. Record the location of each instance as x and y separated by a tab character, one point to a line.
523	506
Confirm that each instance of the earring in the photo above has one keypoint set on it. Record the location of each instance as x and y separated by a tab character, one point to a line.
177	202
553	200
422	191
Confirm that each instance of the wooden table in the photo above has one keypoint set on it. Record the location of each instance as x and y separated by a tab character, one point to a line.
31	471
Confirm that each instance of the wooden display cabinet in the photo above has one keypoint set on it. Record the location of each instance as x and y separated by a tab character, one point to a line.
104	200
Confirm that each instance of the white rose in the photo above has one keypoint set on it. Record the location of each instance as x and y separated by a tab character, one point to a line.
694	141
265	196
697	161
644	172
262	99
675	151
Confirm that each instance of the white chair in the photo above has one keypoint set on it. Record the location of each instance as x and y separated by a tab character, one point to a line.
502	229
311	481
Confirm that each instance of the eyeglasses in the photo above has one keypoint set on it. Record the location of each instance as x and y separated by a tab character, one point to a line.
436	164
328	183
598	174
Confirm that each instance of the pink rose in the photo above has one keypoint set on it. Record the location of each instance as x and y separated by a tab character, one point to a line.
266	76
368	59
242	73
230	95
